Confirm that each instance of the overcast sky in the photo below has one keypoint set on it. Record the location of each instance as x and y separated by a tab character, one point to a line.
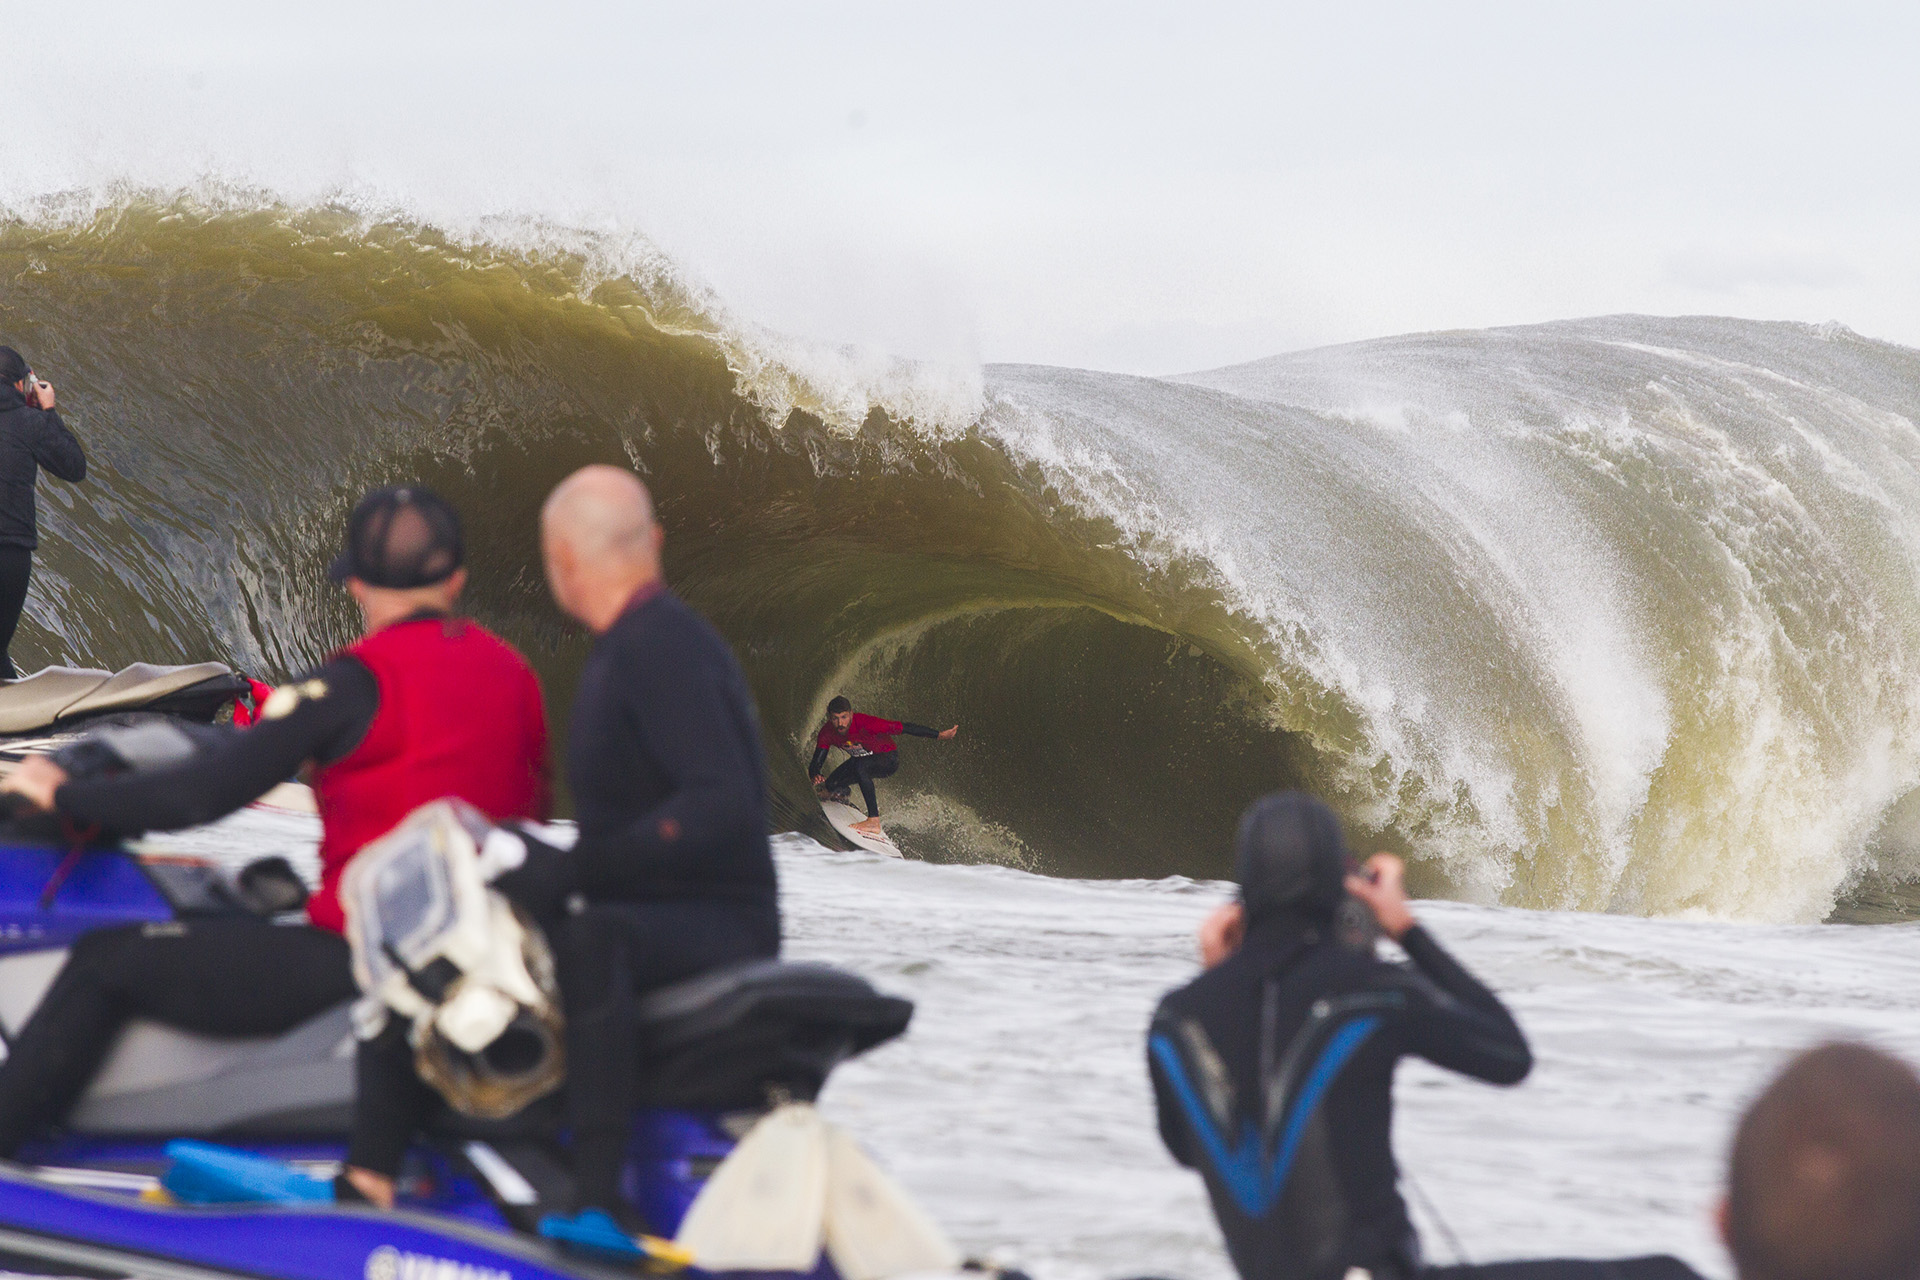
1140	188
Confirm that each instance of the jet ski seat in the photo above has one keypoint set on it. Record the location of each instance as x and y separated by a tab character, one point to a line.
58	696
737	1038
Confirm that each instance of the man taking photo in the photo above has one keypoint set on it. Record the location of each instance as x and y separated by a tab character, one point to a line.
31	436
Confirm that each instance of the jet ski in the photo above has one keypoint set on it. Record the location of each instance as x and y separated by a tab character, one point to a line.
725	1049
58	706
57	700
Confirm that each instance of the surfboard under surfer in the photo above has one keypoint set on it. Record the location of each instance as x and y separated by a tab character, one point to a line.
871	751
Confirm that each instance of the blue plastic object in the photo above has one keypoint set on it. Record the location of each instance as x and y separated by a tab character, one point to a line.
100	888
594	1232
202	1173
250	1211
669	1157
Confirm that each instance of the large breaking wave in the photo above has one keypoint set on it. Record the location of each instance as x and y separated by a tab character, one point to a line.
1617	614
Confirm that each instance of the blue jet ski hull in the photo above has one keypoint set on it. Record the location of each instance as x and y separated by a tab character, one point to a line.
92	1232
74	1203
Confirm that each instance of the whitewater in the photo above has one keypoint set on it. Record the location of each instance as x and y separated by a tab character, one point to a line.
1608	625
1017	1107
1605	615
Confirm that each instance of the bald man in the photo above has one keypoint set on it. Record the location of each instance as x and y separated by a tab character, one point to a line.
669	785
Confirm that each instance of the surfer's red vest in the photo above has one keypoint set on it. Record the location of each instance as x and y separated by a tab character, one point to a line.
460	715
865	736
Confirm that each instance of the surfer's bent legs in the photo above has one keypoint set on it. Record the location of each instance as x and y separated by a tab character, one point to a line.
235	977
865	770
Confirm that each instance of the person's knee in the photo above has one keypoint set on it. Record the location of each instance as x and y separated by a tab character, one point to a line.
107	956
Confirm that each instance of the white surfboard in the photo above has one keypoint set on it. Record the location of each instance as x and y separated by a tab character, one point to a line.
843	816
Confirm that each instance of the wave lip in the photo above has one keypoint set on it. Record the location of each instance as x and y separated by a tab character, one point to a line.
1614	614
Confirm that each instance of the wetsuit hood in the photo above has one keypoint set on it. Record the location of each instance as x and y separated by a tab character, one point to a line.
1289	855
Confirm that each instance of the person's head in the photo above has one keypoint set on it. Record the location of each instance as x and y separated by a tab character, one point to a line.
14	369
840	713
600	543
405	554
1824	1181
1289	856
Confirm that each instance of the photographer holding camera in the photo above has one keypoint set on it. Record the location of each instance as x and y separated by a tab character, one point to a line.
31	436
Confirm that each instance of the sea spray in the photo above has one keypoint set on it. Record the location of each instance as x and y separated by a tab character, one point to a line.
1614	614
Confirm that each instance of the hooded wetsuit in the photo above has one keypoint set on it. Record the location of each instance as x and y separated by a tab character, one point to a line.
871	754
1273	1071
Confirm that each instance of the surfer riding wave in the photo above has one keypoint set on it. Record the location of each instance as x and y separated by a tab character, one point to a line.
872	754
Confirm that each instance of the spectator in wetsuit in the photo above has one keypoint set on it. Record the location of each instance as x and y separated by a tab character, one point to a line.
1273	1070
672	874
426	705
31	436
871	754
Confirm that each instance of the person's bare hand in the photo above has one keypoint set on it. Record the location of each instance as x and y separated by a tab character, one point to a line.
1382	886
35	779
376	1187
819	780
40	395
1222	932
948	733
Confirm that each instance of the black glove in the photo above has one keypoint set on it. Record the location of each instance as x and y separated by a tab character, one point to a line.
542	883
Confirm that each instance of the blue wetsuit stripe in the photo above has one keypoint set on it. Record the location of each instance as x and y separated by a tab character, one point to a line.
1255	1186
1240	1170
1340	1047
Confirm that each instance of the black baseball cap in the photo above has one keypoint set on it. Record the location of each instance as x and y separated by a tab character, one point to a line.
13	366
400	537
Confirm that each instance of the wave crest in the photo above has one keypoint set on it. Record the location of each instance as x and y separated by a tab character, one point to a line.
1617	614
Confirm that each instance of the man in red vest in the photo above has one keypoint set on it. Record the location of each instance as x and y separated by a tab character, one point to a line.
424	706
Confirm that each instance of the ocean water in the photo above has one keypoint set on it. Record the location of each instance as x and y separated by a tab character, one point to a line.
1017	1107
1618	614
1611	626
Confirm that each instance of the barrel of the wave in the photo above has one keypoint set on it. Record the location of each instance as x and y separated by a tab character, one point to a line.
32	436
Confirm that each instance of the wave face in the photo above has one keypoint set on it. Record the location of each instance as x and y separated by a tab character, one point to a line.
1615	614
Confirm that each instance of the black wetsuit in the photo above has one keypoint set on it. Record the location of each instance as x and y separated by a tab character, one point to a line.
239	766
865	769
29	439
226	976
1273	1074
673	871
